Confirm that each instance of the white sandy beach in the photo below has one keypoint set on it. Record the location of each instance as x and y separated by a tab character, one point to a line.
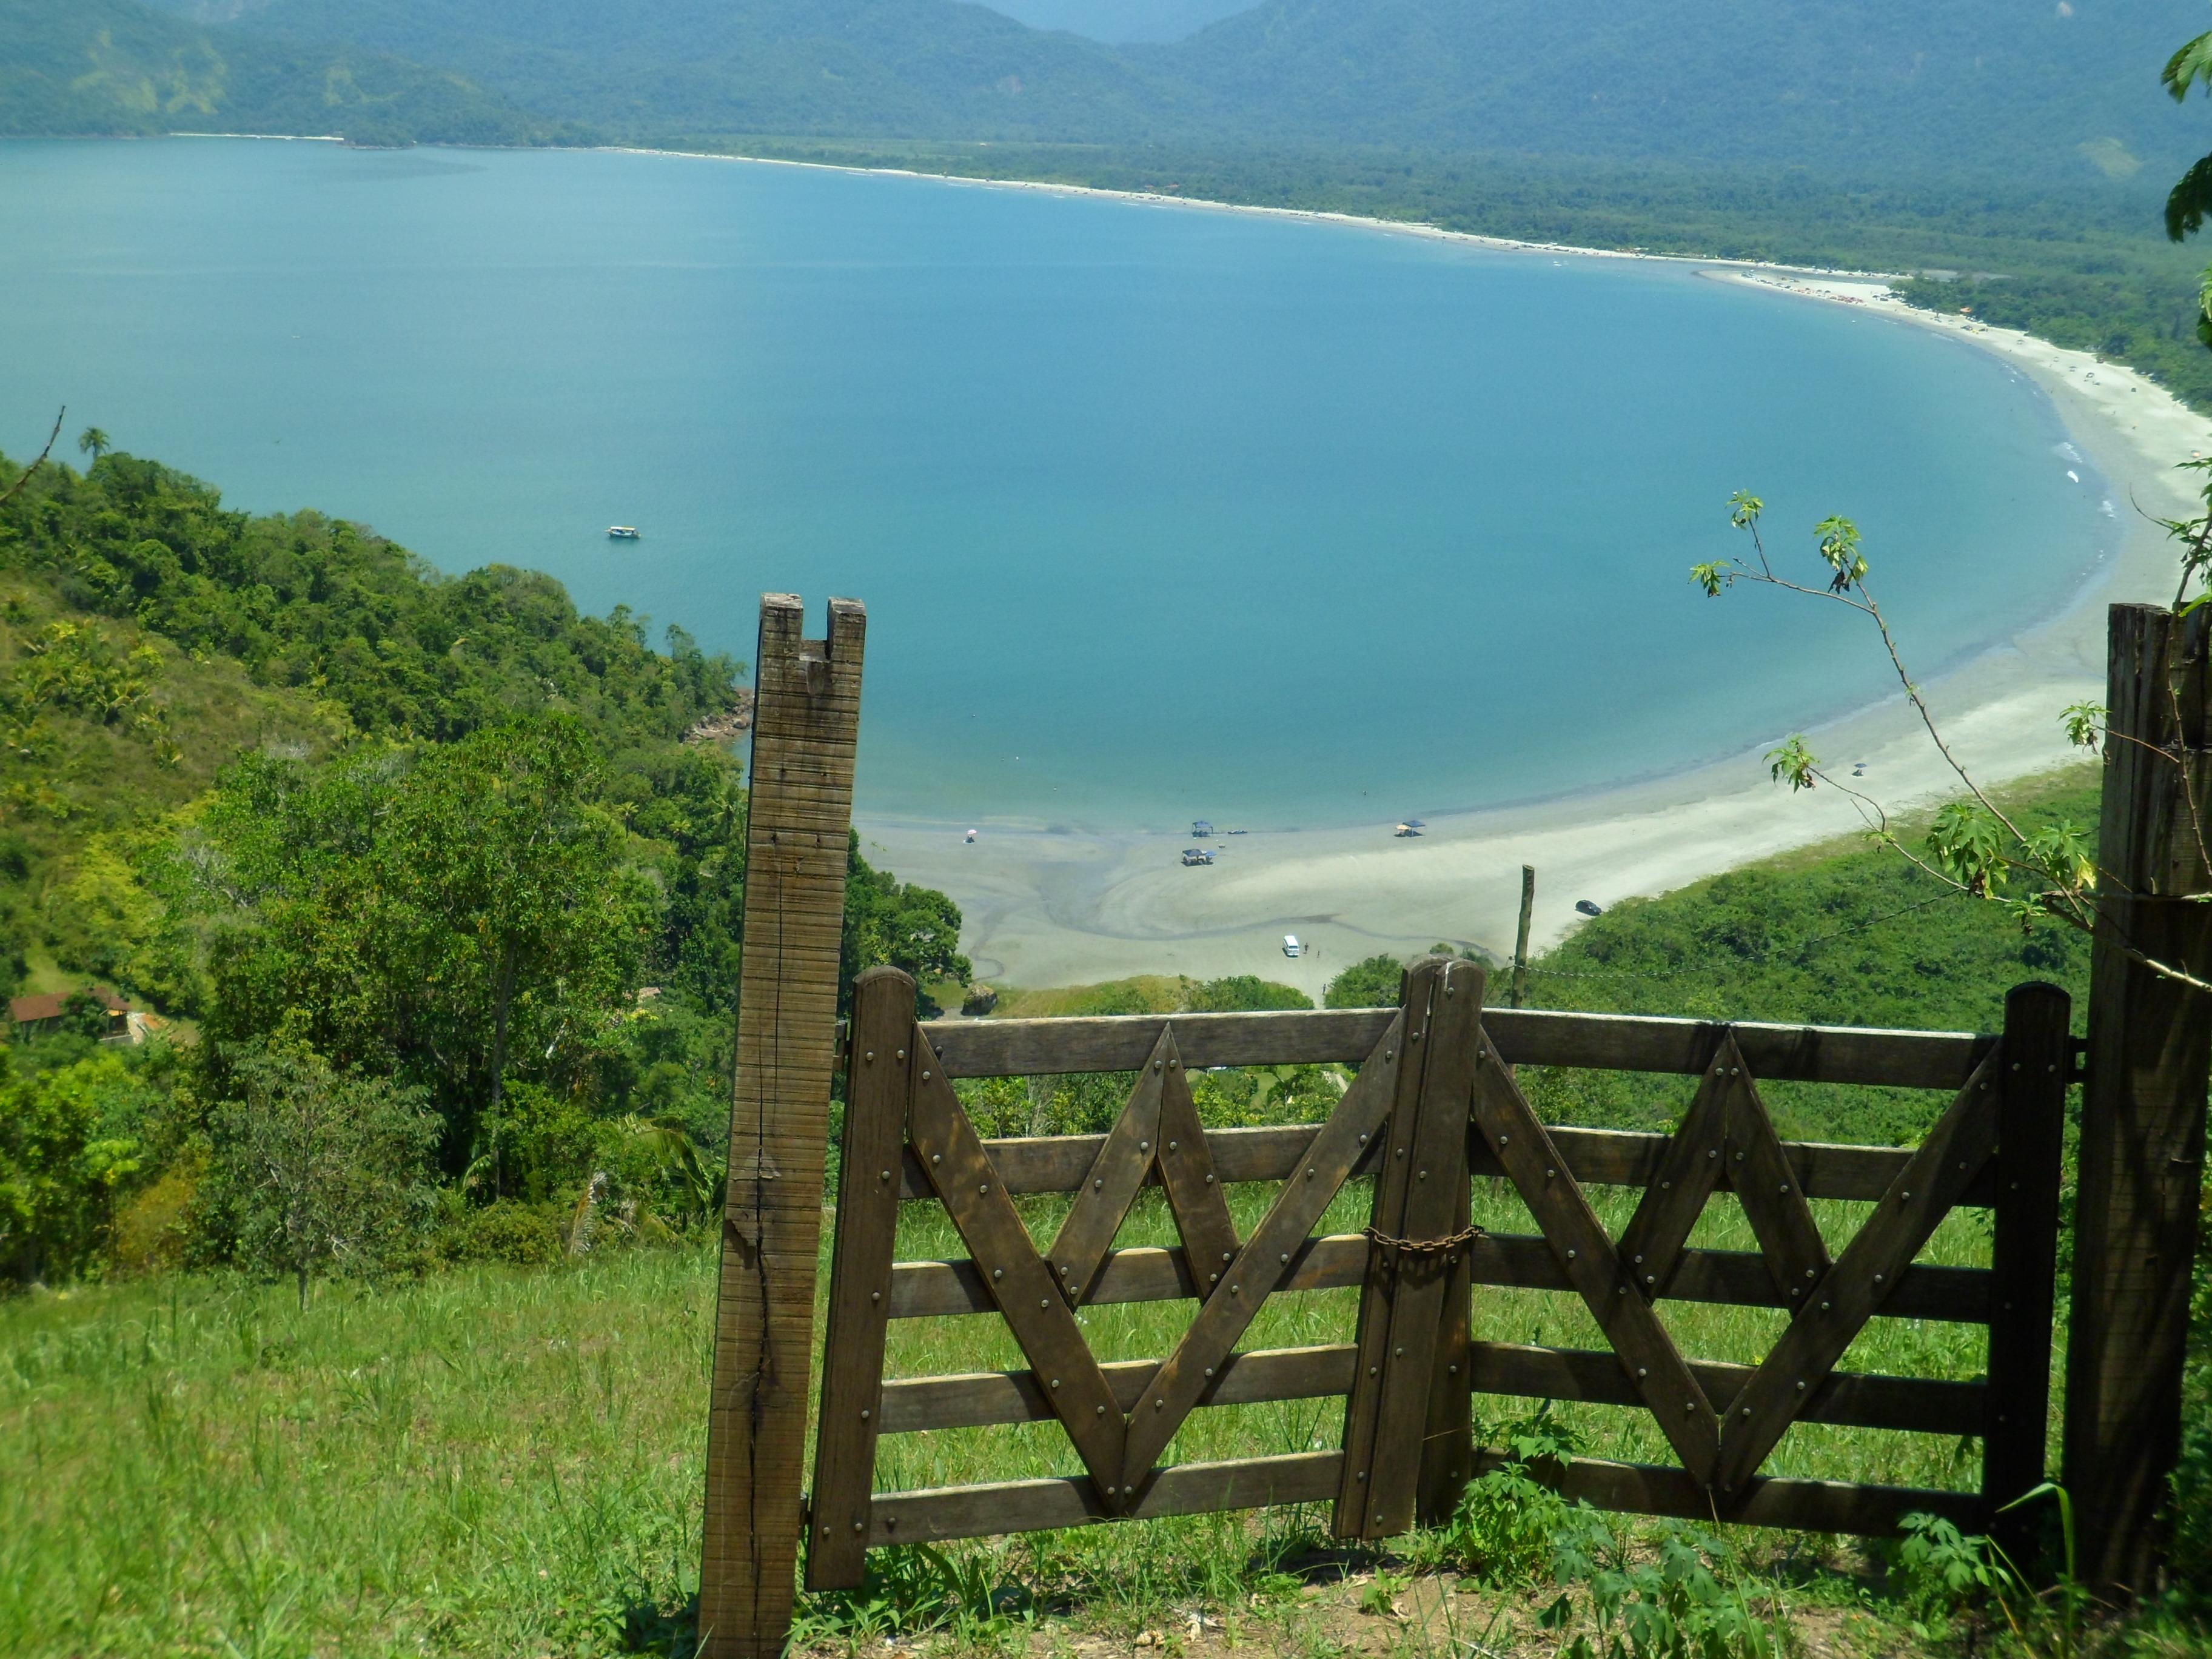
1053	908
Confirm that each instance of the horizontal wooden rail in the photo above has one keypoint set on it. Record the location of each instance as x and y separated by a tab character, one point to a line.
1735	1277
1010	1506
1852	1400
1797	1054
1616	1158
981	1399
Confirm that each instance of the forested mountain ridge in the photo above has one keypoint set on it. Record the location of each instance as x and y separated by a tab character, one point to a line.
2009	92
929	68
118	67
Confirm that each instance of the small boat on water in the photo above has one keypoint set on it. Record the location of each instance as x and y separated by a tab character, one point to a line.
623	532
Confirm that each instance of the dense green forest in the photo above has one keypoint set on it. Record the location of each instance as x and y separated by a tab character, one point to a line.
344	819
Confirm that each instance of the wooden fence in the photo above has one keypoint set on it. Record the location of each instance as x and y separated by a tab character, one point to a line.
1434	1103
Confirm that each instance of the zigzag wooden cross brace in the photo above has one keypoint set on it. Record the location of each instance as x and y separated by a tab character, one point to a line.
1592	1265
1158	1128
1726	1137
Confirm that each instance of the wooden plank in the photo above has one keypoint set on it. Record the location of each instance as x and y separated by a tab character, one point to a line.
1861	1280
1856	1399
798	832
1651	1244
1406	1288
945	1513
859	1278
2142	1150
1122	1042
1385	1214
2035	1067
1798	1505
1440	1413
1586	1256
1110	1185
1185	1165
1006	1506
1016	1275
1264	1263
1523	1036
1766	1187
1514	1260
1616	1158
981	1398
1447	1450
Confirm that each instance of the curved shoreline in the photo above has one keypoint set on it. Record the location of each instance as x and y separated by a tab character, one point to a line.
1048	906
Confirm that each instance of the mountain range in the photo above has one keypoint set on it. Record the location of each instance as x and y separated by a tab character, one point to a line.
2003	90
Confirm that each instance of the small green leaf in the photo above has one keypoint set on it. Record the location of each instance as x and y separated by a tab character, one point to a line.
1713	577
1793	762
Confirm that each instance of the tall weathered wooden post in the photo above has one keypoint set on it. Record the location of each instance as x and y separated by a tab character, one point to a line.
2142	1123
805	725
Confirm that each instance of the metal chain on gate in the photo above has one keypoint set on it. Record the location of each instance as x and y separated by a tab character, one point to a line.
1465	1234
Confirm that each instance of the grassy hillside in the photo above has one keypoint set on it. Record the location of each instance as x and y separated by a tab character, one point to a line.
116	66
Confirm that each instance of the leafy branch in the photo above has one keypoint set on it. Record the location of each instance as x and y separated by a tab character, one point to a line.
9	494
1973	847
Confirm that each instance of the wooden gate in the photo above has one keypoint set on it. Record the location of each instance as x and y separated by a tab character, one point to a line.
1435	1102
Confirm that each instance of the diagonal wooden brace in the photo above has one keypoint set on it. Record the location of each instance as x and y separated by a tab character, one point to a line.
1853	1290
1185	1166
1651	1244
1116	1177
946	1144
1587	1257
1263	1261
1766	1186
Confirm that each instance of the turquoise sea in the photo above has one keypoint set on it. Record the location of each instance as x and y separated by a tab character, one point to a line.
1157	512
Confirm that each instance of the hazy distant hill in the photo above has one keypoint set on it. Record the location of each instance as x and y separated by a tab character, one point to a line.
2021	92
2001	86
653	68
116	66
1117	21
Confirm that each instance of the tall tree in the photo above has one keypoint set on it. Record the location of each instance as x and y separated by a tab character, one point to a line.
95	442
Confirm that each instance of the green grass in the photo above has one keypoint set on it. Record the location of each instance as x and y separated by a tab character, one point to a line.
493	1461
505	1461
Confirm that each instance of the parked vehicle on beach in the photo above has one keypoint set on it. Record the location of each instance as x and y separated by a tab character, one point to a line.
1196	855
1588	908
1292	947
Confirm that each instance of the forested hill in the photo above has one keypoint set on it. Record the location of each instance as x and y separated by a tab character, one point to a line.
276	776
120	67
1998	90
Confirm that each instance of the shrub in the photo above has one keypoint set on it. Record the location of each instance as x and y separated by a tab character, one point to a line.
1374	983
154	1226
520	1234
60	1167
314	1170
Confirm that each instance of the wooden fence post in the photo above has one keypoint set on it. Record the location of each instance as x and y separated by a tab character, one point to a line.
1521	938
878	1078
2142	1119
805	725
2038	1066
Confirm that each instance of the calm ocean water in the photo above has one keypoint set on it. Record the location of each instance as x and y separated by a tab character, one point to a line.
1157	513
